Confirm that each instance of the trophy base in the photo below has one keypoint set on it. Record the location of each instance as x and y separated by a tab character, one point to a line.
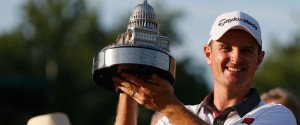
139	61
103	77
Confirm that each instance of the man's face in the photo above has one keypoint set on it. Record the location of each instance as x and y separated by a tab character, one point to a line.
234	58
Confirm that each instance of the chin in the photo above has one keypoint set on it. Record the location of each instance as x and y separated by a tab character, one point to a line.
234	82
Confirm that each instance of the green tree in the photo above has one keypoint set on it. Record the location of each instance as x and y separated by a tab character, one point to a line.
47	60
281	67
55	42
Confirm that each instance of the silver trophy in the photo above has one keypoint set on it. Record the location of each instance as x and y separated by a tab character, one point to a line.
141	51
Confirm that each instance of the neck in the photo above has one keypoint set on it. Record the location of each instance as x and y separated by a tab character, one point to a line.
225	97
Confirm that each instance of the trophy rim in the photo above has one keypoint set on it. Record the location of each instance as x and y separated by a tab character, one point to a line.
172	61
103	73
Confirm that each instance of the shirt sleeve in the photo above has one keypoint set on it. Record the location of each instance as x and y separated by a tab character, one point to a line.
275	115
163	121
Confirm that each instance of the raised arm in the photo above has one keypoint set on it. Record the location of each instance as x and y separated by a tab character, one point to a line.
127	110
157	94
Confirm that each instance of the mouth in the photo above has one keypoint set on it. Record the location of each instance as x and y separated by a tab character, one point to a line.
233	69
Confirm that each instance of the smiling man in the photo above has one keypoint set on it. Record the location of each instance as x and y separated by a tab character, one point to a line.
234	53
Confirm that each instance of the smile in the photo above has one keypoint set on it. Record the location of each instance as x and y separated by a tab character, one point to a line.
234	69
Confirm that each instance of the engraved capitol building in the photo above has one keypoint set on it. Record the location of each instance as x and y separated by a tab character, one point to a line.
143	29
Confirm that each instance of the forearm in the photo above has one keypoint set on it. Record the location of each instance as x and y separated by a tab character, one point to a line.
177	114
127	111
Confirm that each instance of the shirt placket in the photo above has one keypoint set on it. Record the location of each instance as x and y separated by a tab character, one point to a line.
220	119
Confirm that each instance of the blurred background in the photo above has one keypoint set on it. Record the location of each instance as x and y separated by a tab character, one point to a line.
46	50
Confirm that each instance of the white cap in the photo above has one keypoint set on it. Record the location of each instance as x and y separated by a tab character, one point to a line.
57	118
235	20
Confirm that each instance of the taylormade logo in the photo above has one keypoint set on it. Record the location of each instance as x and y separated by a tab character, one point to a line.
224	21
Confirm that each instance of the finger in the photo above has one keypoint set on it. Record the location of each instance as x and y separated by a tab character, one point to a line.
127	91
124	83
135	95
137	99
117	86
160	81
137	81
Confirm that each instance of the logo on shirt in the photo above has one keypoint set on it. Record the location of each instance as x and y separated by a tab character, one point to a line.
248	121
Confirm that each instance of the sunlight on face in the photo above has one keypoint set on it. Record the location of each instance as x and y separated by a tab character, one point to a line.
234	58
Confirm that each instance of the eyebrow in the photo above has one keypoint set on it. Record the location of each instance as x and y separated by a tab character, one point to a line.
224	43
250	47
246	46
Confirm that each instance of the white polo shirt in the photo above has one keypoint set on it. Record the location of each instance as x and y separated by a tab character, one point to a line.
251	111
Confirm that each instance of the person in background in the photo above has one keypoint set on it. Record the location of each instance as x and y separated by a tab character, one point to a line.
234	53
282	96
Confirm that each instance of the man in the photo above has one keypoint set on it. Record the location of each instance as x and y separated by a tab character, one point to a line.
234	54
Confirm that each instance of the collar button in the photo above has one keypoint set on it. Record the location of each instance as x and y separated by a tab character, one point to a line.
218	121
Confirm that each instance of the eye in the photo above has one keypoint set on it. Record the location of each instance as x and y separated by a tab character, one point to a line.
226	48
248	51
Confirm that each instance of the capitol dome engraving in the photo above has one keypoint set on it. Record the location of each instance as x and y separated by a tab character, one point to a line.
143	29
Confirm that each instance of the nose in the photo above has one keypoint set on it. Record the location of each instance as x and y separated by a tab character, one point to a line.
235	56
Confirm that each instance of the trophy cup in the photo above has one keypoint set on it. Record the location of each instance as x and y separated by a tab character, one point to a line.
140	51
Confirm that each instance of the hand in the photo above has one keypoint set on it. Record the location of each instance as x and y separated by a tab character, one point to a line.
155	93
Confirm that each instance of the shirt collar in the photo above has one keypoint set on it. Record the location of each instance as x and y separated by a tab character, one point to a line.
251	101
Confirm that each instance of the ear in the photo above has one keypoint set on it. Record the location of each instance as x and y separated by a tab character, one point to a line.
207	53
260	59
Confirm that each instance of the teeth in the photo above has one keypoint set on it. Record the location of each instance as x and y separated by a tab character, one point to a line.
234	69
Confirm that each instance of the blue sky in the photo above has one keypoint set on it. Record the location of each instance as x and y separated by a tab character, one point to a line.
277	18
